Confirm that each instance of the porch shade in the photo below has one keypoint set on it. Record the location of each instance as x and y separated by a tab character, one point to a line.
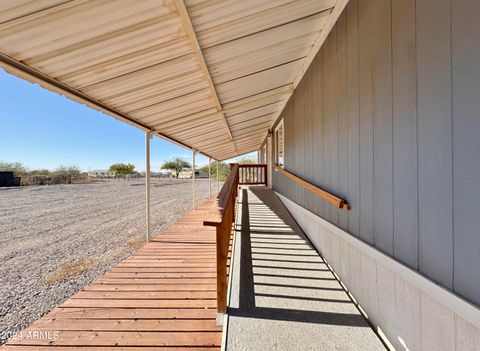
210	75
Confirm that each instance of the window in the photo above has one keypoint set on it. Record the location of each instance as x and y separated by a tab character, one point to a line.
279	145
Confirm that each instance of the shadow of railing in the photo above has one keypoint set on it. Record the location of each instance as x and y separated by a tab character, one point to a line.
247	295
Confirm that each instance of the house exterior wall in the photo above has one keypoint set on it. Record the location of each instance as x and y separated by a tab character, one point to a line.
387	117
409	311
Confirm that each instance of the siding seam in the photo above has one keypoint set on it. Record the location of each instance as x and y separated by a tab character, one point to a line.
393	140
416	135
452	143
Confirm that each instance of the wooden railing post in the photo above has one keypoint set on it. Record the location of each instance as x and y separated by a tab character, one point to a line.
221	269
223	219
253	174
265	169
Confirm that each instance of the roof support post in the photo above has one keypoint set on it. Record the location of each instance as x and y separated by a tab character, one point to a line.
218	183
209	178
269	158
148	136
193	178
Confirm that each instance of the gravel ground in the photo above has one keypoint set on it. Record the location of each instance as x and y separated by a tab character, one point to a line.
57	239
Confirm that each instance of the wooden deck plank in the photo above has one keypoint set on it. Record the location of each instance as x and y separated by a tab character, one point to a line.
165	282
128	325
150	287
104	348
166	265
125	338
143	303
164	270
129	313
150	295
162	297
127	275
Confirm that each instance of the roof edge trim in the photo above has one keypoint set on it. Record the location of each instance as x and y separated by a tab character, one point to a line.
31	75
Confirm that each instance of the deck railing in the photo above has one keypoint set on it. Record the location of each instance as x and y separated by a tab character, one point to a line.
254	174
223	217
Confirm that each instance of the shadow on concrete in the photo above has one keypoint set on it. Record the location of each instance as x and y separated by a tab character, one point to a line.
247	306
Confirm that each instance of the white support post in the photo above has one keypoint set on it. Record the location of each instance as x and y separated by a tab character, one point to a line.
218	183
147	184
209	179
269	159
193	179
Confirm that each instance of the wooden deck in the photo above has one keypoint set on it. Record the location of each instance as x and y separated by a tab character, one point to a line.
162	297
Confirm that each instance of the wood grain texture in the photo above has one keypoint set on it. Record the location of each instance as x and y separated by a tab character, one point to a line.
327	196
163	296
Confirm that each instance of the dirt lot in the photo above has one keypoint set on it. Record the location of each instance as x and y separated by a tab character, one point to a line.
57	239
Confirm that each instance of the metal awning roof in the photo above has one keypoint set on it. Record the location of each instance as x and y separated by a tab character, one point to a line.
210	75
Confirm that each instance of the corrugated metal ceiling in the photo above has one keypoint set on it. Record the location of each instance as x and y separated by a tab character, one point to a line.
210	75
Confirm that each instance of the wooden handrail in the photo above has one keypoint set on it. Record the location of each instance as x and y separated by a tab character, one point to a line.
224	196
327	196
253	174
222	217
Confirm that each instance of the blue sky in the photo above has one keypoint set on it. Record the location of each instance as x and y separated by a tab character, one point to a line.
42	129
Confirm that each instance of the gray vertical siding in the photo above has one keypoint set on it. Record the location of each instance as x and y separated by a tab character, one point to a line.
387	116
434	97
382	127
466	146
342	127
365	63
405	144
353	101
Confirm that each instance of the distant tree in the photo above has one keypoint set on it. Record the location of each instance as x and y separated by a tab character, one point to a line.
204	169
122	168
40	172
16	167
67	172
223	170
246	160
176	165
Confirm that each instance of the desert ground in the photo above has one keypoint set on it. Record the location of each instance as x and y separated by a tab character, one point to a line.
57	239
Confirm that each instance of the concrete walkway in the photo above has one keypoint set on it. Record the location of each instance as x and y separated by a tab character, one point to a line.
282	295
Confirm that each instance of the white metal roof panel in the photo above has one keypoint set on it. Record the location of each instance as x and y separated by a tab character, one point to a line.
211	75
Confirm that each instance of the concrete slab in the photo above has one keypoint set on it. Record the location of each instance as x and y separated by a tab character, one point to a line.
282	295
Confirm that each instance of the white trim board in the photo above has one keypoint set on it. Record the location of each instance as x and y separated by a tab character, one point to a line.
445	297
